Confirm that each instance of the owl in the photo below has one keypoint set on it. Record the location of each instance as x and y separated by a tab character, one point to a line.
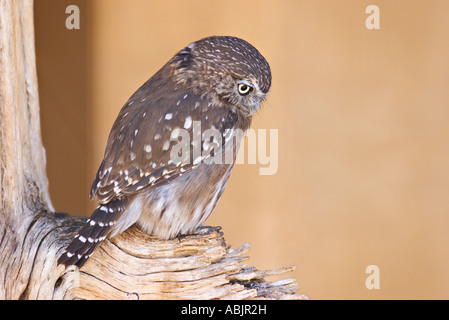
213	85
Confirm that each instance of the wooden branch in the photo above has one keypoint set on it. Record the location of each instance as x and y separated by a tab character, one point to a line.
132	265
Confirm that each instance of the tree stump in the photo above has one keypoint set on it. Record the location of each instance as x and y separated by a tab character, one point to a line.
132	265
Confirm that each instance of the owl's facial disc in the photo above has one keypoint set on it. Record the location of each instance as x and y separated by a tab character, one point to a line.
248	96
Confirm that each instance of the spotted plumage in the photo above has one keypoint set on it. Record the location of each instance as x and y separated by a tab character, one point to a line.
207	93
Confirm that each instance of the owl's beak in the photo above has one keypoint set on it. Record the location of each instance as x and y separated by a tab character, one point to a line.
253	109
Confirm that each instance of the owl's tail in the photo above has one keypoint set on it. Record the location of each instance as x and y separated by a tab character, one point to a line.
94	231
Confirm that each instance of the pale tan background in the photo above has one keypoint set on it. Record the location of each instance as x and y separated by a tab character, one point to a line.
363	120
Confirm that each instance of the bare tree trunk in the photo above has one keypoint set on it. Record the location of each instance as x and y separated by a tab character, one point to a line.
132	265
24	186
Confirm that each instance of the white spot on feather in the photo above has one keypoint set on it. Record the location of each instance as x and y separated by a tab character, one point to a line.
188	122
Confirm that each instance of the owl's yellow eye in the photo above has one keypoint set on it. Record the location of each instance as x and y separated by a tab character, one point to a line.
244	89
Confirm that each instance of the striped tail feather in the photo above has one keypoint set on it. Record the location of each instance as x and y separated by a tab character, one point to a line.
94	231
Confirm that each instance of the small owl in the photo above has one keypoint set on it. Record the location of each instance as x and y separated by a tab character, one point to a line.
216	83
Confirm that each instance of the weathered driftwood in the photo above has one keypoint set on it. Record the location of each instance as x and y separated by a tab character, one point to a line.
135	265
132	265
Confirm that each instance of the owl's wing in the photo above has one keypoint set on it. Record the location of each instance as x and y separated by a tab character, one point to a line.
140	151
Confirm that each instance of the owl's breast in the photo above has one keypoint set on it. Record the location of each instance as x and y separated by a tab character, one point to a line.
183	204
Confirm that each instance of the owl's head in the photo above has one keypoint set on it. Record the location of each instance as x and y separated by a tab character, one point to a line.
228	70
